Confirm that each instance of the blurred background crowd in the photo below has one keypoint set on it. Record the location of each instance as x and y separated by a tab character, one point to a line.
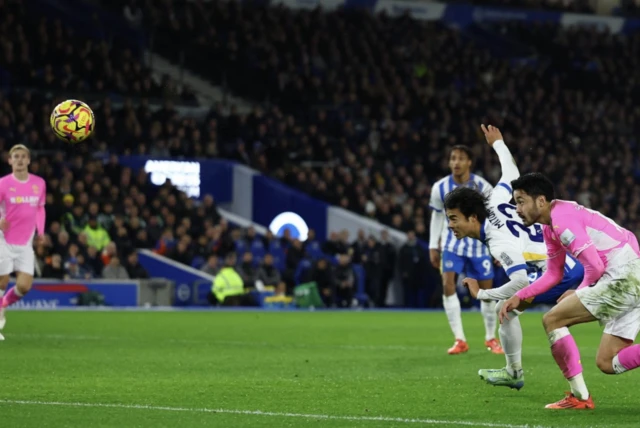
353	108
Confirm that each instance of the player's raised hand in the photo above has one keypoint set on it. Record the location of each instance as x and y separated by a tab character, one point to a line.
508	306
473	286
491	133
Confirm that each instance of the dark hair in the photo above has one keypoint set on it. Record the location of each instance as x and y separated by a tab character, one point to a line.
468	201
462	148
535	184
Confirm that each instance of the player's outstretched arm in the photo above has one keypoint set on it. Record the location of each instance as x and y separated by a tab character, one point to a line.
507	164
517	281
552	277
515	267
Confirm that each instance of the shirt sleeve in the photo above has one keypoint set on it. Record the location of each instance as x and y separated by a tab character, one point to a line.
503	191
435	229
514	265
512	261
436	202
572	234
556	256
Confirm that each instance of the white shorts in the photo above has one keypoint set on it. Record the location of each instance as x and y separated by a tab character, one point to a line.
16	258
615	300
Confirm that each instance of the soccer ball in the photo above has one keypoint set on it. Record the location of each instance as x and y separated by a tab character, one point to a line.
72	121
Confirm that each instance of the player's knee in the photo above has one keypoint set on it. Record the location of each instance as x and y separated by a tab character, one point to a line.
24	285
449	289
550	321
605	364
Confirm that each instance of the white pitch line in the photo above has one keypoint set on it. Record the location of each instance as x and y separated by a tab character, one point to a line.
272	414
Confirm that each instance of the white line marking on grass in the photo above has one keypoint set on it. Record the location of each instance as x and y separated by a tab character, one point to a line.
538	351
272	414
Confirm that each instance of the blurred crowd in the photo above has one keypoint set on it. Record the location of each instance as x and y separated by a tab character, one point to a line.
361	111
575	6
49	54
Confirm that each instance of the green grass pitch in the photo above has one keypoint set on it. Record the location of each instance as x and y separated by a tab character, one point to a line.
284	369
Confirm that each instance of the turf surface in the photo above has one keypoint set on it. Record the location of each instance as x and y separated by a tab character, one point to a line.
285	369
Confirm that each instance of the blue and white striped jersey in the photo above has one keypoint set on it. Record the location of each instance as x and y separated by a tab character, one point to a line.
466	247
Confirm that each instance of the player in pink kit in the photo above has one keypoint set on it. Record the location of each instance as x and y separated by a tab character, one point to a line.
22	199
609	292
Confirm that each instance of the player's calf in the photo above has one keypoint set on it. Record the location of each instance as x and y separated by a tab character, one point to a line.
23	285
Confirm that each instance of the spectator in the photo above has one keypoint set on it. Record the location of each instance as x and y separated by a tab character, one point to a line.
372	258
322	275
94	261
114	270
134	268
211	266
413	260
270	276
247	270
96	235
74	271
228	287
295	254
344	280
109	252
54	269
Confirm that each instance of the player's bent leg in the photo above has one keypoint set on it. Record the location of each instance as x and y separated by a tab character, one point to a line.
610	347
451	305
617	353
4	282
490	318
24	281
570	311
512	375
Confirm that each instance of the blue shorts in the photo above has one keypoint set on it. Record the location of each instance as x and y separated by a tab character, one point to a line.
573	274
480	268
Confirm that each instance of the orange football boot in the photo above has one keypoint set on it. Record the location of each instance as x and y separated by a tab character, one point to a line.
570	401
459	347
494	346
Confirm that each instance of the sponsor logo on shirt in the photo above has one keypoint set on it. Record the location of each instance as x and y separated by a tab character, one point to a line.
567	237
506	260
18	200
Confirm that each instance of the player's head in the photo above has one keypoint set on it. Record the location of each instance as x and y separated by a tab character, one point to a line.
533	194
460	160
466	210
19	158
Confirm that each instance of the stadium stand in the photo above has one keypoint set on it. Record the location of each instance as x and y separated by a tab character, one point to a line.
375	107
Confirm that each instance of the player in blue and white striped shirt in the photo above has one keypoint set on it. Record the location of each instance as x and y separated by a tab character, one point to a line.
455	256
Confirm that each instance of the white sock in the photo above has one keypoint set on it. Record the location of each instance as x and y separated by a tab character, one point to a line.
511	338
578	387
452	308
490	317
617	367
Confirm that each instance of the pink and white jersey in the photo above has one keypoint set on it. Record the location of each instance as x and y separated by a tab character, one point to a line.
595	240
575	228
22	205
